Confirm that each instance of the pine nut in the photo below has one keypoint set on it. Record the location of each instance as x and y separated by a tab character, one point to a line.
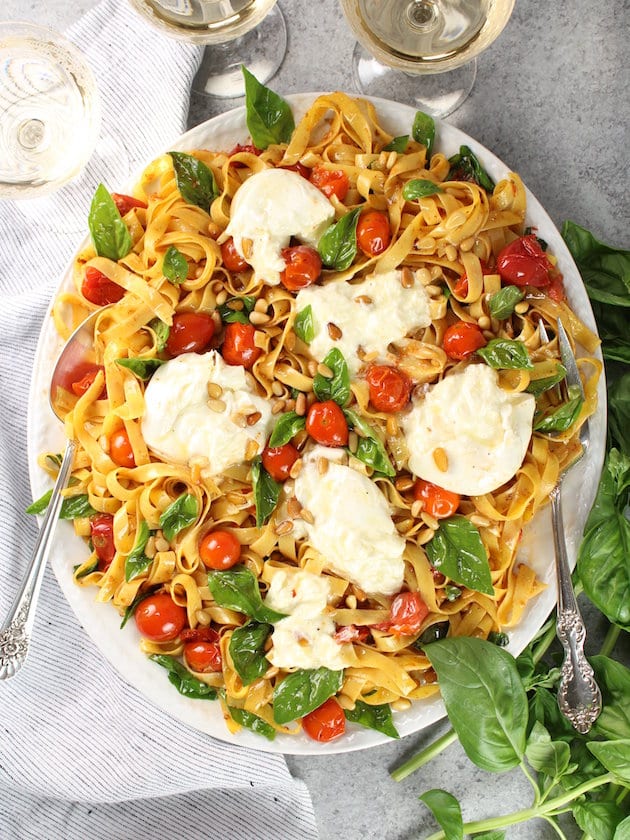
235	305
260	305
307	516
391	426
103	442
259	318
248	247
333	331
440	459
251	450
451	253
217	406
406	278
239	420
351	602
484	322
436	272
290	340
521	307
322	465
284	527
353	441
203	618
467	244
391	160
324	371
221	297
161	544
429	521
277	407
149	548
277	388
295	469
433	291
416	508
401	705
290	405
311	367
300	404
424	276
252	419
479	520
363	299
214	390
293	507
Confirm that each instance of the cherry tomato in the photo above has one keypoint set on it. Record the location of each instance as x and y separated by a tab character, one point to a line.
239	346
351	633
330	181
325	423
203	656
524	263
191	332
82	378
389	387
406	614
303	265
124	203
199	634
232	260
159	618
462	339
438	502
278	460
102	535
373	232
219	550
240	147
325	723
460	289
120	450
298	167
555	289
99	289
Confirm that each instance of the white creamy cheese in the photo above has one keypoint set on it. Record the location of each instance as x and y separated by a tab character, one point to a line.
304	639
483	430
353	528
371	314
268	209
178	423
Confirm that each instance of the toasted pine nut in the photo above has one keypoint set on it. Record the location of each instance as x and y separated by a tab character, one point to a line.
300	404
351	602
149	548
213	230
293	507
391	426
239	419
440	458
251	450
433	290
284	527
401	705
484	322
259	318
425	536
391	160
424	276
404	483
451	253
521	307
290	405
429	521
307	516
333	331
436	272
252	419
277	388
416	508
290	340
221	297
353	441
363	299
295	469
248	247
277	407
235	305
406	278
467	244
217	406
214	390
325	371
103	442
203	618
161	544
311	366
260	305
322	465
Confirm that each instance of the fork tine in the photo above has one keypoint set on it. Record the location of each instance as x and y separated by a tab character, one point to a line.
568	360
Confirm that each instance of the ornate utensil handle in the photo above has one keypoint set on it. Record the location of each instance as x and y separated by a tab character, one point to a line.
579	697
15	633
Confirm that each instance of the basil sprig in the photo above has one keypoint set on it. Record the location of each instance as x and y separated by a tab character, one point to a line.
539	386
137	562
370	448
72	507
109	233
286	428
304	324
423	131
251	721
174	266
195	180
237	589
266	492
179	676
338	387
241	316
302	691
269	117
142	368
338	245
373	717
397	144
466	167
179	515
564	416
161	330
506	354
420	188
502	303
457	551
247	650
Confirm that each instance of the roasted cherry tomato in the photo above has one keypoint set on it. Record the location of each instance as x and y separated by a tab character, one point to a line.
102	536
232	260
373	232
199	634
351	633
203	656
524	263
555	289
219	550
325	723
462	339
303	265
239	347
125	203
389	387
240	147
406	614
191	332
325	423
99	289
330	181
120	450
298	167
437	501
159	618
278	460
460	289
85	376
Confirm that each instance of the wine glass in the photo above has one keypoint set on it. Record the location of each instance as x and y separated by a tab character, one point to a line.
236	32
49	111
423	52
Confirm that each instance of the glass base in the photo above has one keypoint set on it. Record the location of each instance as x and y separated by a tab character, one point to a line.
261	50
437	94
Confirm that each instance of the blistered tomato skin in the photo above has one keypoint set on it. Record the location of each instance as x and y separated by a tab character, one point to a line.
120	449
406	614
239	345
124	203
219	550
524	263
159	619
436	501
325	723
232	260
99	289
303	267
373	232
462	340
102	536
332	182
278	460
326	424
191	332
389	388
203	657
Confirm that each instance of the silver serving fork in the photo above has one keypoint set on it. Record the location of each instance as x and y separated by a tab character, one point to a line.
579	697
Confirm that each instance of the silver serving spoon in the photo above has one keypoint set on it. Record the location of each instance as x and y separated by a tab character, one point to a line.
15	632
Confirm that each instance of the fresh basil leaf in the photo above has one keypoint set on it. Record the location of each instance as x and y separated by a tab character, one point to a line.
40	505
484	698
86	568
286	428
457	551
619	412
183	680
447	812
497	834
420	188
370	448
613	678
502	303
304	325
500	639
161	331
604	269
337	388
622	831
614	756
136	563
564	416
598	819
452	592
433	633
543	707
130	610
266	492
237	589
547	756
109	233
241	316
76	507
397	144
142	368
539	386
179	515
373	717
174	266
603	562
338	245
195	180
253	722
269	117
423	131
247	650
466	167
302	691
506	354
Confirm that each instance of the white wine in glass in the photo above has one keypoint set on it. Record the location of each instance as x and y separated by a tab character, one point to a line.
422	51
49	111
236	32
